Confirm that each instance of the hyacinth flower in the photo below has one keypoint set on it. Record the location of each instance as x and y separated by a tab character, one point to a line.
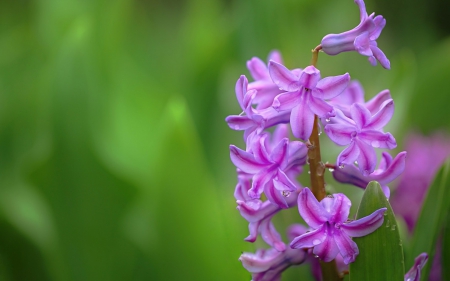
265	89
305	96
354	93
331	231
388	170
268	264
362	38
252	121
361	134
269	165
259	214
414	273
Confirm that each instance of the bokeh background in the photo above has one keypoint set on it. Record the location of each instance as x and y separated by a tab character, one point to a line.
114	161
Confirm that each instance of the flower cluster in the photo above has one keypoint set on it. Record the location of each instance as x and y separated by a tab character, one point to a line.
281	102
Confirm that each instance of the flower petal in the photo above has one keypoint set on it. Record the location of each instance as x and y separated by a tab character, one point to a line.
340	208
270	235
258	69
283	77
367	158
244	160
332	86
283	183
309	77
396	168
241	90
348	155
339	133
328	249
275	56
280	153
365	225
286	101
320	107
414	273
310	239
259	181
302	120
259	263
381	57
360	114
380	23
378	139
362	44
239	123
275	196
376	102
383	116
311	210
259	149
347	248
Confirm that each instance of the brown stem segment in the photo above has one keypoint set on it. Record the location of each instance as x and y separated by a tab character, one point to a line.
317	171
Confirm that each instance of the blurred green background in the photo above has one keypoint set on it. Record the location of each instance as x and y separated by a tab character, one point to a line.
114	161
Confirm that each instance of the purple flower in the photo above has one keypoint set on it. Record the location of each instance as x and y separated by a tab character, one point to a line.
266	90
361	134
267	265
269	165
388	170
361	38
354	93
253	121
414	273
331	231
305	95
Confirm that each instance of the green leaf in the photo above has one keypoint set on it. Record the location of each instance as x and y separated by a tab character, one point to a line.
445	259
381	252
431	219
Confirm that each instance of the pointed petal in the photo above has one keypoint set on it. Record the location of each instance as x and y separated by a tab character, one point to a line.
385	161
275	55
376	102
302	120
339	133
309	77
383	116
348	155
280	154
253	229
310	239
286	101
258	69
244	160
360	114
311	210
362	9
380	23
351	175
396	168
414	273
239	123
332	86
347	248
381	57
367	158
378	139
256	263
270	235
241	90
365	225
297	154
281	131
340	208
259	149
320	107
328	249
283	77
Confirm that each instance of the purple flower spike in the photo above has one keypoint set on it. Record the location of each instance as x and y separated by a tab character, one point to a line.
362	38
361	134
331	232
388	170
414	273
305	95
267	265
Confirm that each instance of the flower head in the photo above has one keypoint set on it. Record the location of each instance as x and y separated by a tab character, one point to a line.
362	38
331	231
305	95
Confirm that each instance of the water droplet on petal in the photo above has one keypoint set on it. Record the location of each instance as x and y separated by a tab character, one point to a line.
316	256
316	242
327	120
341	166
285	193
331	169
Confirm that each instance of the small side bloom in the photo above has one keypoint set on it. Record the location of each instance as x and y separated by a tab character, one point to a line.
362	38
331	234
414	273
